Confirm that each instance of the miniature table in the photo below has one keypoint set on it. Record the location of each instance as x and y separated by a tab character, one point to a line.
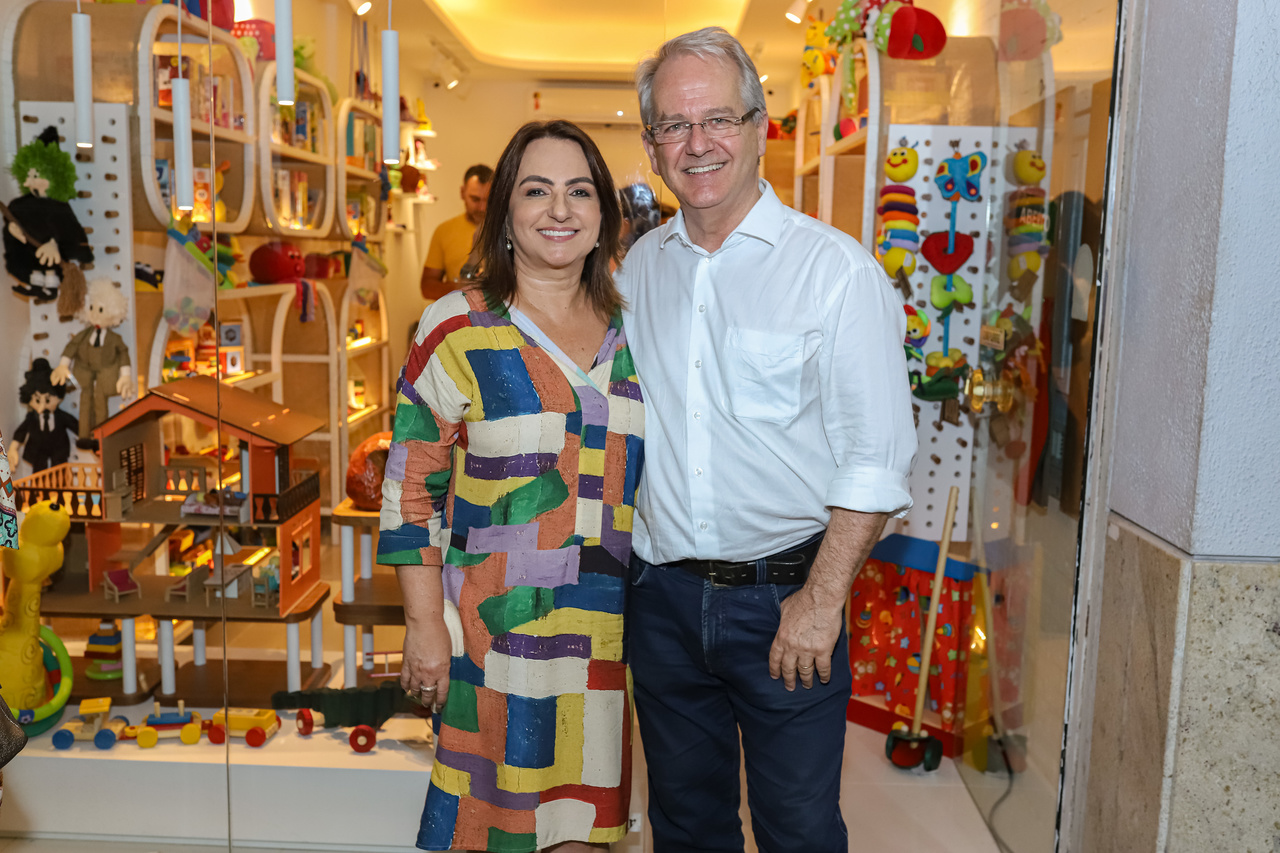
222	577
347	518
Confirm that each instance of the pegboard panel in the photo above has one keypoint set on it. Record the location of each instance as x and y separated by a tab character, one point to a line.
103	208
946	454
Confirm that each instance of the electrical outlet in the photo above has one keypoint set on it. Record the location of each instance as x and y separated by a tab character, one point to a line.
636	822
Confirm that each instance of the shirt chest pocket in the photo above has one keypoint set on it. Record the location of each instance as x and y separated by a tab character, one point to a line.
763	372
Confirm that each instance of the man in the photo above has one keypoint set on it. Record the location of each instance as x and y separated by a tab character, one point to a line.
452	240
779	438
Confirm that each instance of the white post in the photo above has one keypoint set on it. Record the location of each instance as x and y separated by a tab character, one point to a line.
198	642
129	657
349	652
348	551
368	648
168	677
317	640
366	554
293	679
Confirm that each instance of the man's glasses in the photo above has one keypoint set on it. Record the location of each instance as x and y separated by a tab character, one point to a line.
716	127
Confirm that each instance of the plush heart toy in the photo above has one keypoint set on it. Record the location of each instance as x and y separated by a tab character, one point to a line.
935	252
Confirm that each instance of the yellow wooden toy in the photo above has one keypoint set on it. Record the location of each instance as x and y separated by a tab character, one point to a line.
39	555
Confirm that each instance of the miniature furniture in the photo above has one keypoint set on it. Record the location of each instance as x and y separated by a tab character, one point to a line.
183	586
119	583
224	580
266	588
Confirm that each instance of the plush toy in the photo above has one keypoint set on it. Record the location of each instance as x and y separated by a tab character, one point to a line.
44	241
98	358
41	439
904	32
1027	29
917	332
276	262
1025	221
818	57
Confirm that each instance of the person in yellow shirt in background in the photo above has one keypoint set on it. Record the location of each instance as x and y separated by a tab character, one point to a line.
452	241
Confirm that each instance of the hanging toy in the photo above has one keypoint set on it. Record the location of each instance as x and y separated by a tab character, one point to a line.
917	332
44	243
98	358
1027	29
898	238
818	57
41	439
1026	219
904	32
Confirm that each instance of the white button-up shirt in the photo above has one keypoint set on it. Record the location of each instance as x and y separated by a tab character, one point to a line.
775	385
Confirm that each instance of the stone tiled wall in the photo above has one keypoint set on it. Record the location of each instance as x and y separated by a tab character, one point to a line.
1190	647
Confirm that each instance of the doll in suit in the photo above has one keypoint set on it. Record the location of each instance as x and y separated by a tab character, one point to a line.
42	438
97	357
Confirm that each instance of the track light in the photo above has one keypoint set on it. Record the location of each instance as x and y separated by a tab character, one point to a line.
795	14
284	53
360	7
82	76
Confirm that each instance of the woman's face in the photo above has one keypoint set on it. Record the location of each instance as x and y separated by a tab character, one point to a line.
554	220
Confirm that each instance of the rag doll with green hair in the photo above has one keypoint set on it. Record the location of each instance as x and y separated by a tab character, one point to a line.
43	240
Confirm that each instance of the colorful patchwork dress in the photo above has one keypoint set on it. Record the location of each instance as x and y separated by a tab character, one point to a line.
517	472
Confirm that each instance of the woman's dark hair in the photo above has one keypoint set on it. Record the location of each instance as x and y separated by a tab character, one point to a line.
499	278
40	381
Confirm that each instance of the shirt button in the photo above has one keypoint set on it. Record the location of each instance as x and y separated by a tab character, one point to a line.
698	471
702	309
698	363
706	260
703	525
697	416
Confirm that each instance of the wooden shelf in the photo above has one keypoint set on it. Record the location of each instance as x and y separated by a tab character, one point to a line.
356	117
257	290
254	379
363	415
355	173
855	144
201	128
367	346
374	601
810	166
288	152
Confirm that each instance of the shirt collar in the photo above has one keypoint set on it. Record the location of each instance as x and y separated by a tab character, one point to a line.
763	221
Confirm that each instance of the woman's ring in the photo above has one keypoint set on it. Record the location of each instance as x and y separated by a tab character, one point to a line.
422	688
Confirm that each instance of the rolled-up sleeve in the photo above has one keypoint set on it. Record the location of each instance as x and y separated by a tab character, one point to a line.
866	395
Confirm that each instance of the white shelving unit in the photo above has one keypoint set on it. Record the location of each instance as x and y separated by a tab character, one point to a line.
373	348
364	180
274	155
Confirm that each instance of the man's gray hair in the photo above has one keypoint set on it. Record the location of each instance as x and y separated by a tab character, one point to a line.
707	43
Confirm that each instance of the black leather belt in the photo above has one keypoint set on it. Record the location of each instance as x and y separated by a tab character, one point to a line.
788	567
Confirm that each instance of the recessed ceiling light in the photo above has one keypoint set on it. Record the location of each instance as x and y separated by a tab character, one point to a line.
619	112
452	83
764	77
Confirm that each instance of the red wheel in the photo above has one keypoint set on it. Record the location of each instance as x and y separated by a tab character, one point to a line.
363	738
306	722
217	734
256	736
279	724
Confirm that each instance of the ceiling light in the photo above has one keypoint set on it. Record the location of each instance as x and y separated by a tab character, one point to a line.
452	83
764	77
360	6
390	95
284	52
619	113
795	13
82	77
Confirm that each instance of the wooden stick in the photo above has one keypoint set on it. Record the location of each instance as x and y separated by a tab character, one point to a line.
931	625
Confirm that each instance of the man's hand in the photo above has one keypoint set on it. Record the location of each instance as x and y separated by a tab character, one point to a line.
806	638
62	372
48	254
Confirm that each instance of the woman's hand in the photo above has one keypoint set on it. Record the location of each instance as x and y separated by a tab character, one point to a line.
427	654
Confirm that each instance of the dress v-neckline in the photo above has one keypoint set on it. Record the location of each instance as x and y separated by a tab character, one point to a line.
531	330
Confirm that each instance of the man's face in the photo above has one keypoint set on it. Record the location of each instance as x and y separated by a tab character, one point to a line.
42	402
705	173
475	196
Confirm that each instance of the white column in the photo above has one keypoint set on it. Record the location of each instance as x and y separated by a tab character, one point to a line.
198	642
129	656
349	652
168	677
348	551
368	648
317	640
366	554
294	671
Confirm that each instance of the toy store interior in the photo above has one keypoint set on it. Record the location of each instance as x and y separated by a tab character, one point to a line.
198	363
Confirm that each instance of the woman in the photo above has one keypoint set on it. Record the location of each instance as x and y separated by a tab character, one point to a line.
509	493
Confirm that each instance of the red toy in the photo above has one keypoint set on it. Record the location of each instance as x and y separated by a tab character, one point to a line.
276	262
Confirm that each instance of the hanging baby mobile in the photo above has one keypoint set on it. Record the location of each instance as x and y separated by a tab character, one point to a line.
958	178
1025	221
44	243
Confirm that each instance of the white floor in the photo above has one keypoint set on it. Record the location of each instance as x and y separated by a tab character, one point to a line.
886	809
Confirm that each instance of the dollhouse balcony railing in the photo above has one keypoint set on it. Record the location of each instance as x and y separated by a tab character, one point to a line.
274	509
75	485
185	479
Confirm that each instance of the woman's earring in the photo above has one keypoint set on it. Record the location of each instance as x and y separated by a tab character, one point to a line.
597	244
508	243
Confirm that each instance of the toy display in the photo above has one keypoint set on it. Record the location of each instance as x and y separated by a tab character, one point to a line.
182	725
103	649
8	505
364	708
818	57
1025	221
44	243
902	31
365	472
255	725
39	555
276	262
41	440
97	357
94	724
898	239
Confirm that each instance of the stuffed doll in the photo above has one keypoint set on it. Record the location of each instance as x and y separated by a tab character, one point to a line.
98	358
41	439
44	241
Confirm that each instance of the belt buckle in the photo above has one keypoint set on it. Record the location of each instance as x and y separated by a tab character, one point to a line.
712	574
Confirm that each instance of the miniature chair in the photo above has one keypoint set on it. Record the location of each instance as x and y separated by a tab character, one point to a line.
182	587
266	589
120	583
